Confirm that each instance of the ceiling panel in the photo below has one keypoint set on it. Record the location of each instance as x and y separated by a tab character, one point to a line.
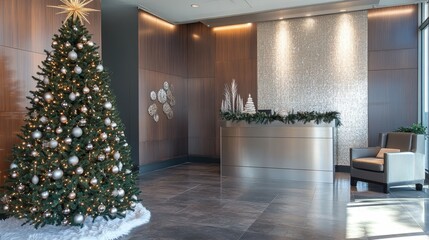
180	11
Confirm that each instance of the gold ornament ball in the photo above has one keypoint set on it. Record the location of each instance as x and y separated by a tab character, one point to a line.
103	136
85	90
79	46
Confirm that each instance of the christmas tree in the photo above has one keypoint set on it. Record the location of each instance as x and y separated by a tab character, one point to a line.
72	161
250	106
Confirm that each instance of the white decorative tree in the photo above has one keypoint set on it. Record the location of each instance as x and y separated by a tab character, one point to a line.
232	102
250	106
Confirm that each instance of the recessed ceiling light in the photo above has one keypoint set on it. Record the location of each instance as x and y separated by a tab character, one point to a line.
343	10
308	15
194	5
280	18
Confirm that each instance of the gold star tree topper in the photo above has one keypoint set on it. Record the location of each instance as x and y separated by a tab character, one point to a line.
75	9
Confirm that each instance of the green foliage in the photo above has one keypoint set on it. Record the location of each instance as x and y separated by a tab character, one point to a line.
416	128
102	129
263	118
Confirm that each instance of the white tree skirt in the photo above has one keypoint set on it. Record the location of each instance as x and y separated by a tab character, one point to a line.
101	229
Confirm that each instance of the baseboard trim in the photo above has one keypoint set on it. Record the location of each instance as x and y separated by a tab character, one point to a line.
342	168
176	161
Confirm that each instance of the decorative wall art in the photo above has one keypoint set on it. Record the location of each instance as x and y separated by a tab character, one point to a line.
166	98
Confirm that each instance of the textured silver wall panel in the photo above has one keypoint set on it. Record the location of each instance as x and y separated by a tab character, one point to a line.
318	64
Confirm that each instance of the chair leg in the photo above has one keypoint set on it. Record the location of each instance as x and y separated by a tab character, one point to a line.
419	187
353	181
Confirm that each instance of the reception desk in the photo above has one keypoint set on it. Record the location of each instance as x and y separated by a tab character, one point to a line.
302	152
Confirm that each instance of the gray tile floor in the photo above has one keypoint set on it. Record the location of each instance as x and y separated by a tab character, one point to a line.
192	201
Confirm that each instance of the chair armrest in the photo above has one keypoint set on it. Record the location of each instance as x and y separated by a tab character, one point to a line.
363	152
399	167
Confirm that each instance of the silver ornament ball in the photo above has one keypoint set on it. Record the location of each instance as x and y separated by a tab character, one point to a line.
53	143
57	174
54	43
13	165
103	136
115	169
34	153
113	211
36	134
77	132
89	146
68	140
85	90
77	69
96	88
43	119
6	207
68	44
63	70
107	105
73	160
72	96
134	197
100	68
107	121
64	104
45	80
84	109
59	130
115	192
90	43
84	39
72	55
49	174
48	97
21	187
44	194
107	149
36	99
33	209
63	119
79	170
121	192
101	157
35	179
14	175
82	122
78	219
65	222
113	125
133	205
47	214
72	195
93	181
116	155
66	211
101	208
79	46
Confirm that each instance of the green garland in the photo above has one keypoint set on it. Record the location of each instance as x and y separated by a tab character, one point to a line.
291	118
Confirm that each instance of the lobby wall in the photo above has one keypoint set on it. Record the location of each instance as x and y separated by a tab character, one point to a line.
26	30
392	69
162	58
318	64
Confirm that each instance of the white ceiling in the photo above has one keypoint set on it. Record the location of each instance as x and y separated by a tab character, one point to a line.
210	11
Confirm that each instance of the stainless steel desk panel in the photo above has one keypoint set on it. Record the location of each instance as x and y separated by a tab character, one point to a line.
293	152
278	174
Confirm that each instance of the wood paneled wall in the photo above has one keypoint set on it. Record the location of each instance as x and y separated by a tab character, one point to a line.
26	29
235	59
201	94
392	69
162	58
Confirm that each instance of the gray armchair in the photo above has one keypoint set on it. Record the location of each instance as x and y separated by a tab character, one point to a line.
399	168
